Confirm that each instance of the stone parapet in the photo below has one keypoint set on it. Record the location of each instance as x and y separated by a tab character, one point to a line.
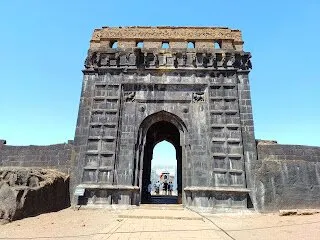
57	156
169	59
153	37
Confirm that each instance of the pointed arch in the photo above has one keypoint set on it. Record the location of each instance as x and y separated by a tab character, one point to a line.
162	116
153	129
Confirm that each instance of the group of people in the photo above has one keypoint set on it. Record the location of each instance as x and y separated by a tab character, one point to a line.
167	188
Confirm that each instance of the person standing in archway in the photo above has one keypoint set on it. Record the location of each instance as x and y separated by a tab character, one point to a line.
170	188
157	185
149	192
165	188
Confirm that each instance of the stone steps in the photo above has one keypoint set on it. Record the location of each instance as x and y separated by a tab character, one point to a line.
164	199
162	206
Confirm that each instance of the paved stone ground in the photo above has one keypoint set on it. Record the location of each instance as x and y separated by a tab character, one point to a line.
161	222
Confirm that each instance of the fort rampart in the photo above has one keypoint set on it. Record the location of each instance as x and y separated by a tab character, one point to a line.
57	156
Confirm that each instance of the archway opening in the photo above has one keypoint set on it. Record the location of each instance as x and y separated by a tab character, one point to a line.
191	45
164	133
164	170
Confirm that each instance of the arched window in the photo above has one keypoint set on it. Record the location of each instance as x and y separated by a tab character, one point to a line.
114	44
139	44
191	45
217	44
165	45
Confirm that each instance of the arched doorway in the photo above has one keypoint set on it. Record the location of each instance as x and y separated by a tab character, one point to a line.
164	173
154	129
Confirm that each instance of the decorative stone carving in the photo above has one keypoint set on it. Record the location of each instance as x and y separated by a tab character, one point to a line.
210	60
198	97
170	61
190	60
180	59
92	59
87	62
237	61
185	109
162	60
246	63
229	60
154	59
150	59
142	108
127	59
199	59
114	59
129	96
104	60
219	59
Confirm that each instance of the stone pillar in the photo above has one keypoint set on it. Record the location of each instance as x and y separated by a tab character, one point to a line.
247	128
82	130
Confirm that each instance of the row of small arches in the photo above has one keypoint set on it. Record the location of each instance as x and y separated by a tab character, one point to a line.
165	45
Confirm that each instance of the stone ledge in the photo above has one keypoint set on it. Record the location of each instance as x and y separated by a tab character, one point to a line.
107	186
216	189
166	33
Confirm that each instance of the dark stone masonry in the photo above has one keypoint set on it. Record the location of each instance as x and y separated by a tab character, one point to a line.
190	87
287	176
57	156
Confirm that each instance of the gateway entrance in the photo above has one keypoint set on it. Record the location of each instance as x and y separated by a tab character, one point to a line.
137	95
158	132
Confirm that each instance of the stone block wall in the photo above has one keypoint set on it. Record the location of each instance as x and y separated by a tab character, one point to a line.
57	156
288	177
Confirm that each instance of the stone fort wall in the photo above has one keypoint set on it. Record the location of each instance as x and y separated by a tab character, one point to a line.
287	176
57	156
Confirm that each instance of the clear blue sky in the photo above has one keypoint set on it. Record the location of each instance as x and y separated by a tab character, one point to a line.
43	45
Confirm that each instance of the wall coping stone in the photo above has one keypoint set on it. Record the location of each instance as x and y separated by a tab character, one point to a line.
216	189
106	186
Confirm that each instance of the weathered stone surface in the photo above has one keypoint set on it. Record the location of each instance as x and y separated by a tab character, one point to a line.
7	202
27	192
265	142
154	36
287	176
196	98
57	156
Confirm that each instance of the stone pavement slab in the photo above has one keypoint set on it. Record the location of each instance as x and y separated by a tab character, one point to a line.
166	229
160	213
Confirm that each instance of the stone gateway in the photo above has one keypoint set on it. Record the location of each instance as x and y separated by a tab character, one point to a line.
186	85
190	87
